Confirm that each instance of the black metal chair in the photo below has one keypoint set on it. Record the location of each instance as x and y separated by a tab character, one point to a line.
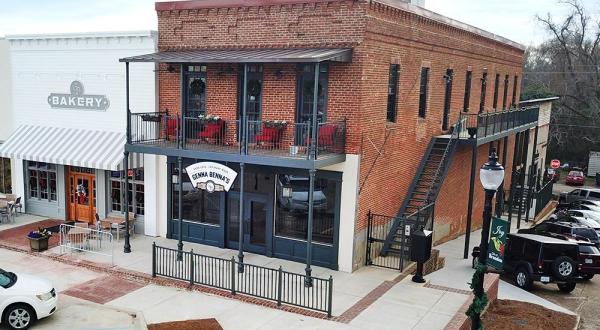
18	205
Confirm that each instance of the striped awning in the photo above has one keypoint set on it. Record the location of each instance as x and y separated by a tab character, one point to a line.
66	146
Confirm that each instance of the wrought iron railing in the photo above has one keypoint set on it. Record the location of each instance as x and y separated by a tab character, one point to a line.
378	229
481	125
272	284
293	140
543	197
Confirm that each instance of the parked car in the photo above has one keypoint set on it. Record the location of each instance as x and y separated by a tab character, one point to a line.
581	217
575	178
552	175
538	258
562	227
24	299
589	255
579	194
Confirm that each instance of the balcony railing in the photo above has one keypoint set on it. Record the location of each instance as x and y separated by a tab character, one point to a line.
482	125
159	129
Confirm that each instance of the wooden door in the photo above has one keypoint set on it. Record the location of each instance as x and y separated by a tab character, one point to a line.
82	199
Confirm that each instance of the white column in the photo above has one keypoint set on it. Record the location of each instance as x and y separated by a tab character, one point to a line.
349	199
18	180
151	206
161	193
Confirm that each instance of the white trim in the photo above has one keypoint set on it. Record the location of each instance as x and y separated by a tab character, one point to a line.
83	35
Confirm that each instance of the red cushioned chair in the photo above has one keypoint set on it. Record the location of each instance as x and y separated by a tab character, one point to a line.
327	135
269	135
213	130
171	129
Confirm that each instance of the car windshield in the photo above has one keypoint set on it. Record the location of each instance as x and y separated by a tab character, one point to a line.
7	279
575	173
588	249
586	232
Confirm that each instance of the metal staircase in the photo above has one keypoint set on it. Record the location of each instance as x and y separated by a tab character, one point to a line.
423	190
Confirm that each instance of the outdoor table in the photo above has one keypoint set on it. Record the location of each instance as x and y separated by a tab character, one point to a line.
113	220
78	235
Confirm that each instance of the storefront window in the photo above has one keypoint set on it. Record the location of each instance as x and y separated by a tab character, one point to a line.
42	181
5	178
135	190
292	208
198	205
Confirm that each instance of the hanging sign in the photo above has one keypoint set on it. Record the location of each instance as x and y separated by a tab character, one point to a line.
497	243
78	100
211	176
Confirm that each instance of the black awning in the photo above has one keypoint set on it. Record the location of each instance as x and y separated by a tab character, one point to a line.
306	55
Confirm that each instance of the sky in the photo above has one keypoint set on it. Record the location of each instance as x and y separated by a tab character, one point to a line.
512	19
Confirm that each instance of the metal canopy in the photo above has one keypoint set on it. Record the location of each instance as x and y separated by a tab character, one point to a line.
306	55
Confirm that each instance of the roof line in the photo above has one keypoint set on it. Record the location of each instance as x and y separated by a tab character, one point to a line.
83	35
546	99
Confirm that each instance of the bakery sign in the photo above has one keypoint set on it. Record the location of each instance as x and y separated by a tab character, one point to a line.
211	176
77	99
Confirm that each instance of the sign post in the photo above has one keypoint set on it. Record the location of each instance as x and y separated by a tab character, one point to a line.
499	230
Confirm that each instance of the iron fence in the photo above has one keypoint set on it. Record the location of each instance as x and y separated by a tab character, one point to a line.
378	228
486	124
270	138
83	239
543	197
276	285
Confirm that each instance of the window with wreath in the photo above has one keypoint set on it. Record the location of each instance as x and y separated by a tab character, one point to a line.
41	179
135	191
5	177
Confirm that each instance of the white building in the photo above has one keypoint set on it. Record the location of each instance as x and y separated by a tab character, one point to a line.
68	122
5	114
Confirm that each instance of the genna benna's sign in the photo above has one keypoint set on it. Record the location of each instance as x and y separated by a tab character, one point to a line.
78	100
211	176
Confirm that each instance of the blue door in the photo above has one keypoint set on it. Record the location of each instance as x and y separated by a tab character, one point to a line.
256	222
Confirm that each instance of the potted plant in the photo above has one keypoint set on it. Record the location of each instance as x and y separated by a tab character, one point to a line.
205	119
154	117
38	239
278	124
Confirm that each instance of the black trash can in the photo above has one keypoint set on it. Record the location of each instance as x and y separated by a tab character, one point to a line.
420	251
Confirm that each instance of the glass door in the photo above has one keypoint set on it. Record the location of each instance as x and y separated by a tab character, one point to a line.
253	99
257	216
82	197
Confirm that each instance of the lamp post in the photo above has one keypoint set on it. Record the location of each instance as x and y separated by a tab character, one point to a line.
491	175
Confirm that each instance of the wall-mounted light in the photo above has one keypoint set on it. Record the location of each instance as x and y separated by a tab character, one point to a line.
171	68
286	191
279	73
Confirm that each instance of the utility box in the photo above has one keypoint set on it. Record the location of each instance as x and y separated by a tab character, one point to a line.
421	244
593	163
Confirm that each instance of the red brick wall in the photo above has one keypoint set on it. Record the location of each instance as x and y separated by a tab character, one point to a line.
380	35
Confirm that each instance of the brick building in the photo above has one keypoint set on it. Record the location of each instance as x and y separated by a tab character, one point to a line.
399	90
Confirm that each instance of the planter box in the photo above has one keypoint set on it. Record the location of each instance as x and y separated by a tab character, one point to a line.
152	117
38	244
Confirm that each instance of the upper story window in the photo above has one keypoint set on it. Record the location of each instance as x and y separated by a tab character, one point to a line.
505	92
514	91
306	88
41	178
467	99
483	88
496	83
392	92
194	92
423	91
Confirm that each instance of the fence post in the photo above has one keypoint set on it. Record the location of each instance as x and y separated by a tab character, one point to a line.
279	285
232	275
191	267
153	259
330	303
369	224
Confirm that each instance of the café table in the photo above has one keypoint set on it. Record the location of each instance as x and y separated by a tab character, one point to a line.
114	220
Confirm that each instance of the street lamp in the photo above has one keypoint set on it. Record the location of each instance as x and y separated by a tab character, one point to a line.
491	175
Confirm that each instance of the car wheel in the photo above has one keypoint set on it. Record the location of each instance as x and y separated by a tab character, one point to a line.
523	279
567	287
19	317
563	267
587	277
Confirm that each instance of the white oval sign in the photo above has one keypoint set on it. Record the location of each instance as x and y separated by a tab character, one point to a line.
211	176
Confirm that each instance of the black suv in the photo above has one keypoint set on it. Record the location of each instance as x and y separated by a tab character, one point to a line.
566	228
545	259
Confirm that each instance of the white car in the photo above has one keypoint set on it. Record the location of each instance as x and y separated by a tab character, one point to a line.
24	299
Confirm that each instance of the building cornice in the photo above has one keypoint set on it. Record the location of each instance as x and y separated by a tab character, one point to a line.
84	35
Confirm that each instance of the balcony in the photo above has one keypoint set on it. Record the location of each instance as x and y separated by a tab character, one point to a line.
264	142
486	127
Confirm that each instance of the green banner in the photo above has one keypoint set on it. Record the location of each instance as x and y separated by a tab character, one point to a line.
498	232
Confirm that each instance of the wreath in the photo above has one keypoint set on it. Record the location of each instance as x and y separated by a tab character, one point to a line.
309	88
254	88
197	87
81	194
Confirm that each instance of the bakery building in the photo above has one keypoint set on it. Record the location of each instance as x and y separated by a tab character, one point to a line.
67	129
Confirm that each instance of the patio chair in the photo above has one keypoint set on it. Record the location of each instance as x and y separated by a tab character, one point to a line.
18	206
269	135
172	125
213	131
327	134
7	213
